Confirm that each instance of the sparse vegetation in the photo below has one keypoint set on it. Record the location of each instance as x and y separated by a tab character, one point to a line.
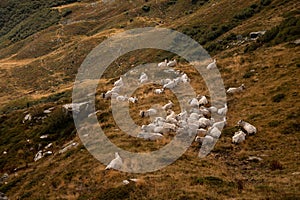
248	74
274	123
146	8
121	192
247	12
278	97
21	19
276	165
171	2
265	2
287	31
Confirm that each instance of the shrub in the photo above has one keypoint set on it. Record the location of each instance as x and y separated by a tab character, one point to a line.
291	13
245	14
146	8
11	184
254	6
265	2
19	19
66	12
121	192
215	181
274	123
269	35
278	97
15	105
252	47
293	115
57	120
255	116
200	2
248	74
212	47
275	165
55	183
231	37
38	21
291	128
68	176
288	30
171	2
26	195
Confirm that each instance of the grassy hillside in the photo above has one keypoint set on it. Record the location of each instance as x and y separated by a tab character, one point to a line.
42	45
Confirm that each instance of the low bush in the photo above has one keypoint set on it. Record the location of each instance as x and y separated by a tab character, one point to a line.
172	2
66	12
274	123
278	97
246	13
20	19
265	2
121	192
288	30
146	8
291	128
38	21
276	165
248	74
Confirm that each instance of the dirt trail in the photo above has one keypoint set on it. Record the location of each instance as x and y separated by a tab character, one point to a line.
7	63
79	4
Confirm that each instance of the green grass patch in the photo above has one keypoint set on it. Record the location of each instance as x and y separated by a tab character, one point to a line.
248	74
247	12
19	20
274	123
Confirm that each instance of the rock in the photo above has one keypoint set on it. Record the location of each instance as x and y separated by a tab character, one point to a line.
52	108
254	158
44	136
297	41
3	178
126	182
134	180
47	111
257	34
3	196
239	37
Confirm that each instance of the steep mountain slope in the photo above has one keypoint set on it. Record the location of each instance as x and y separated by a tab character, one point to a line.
39	60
